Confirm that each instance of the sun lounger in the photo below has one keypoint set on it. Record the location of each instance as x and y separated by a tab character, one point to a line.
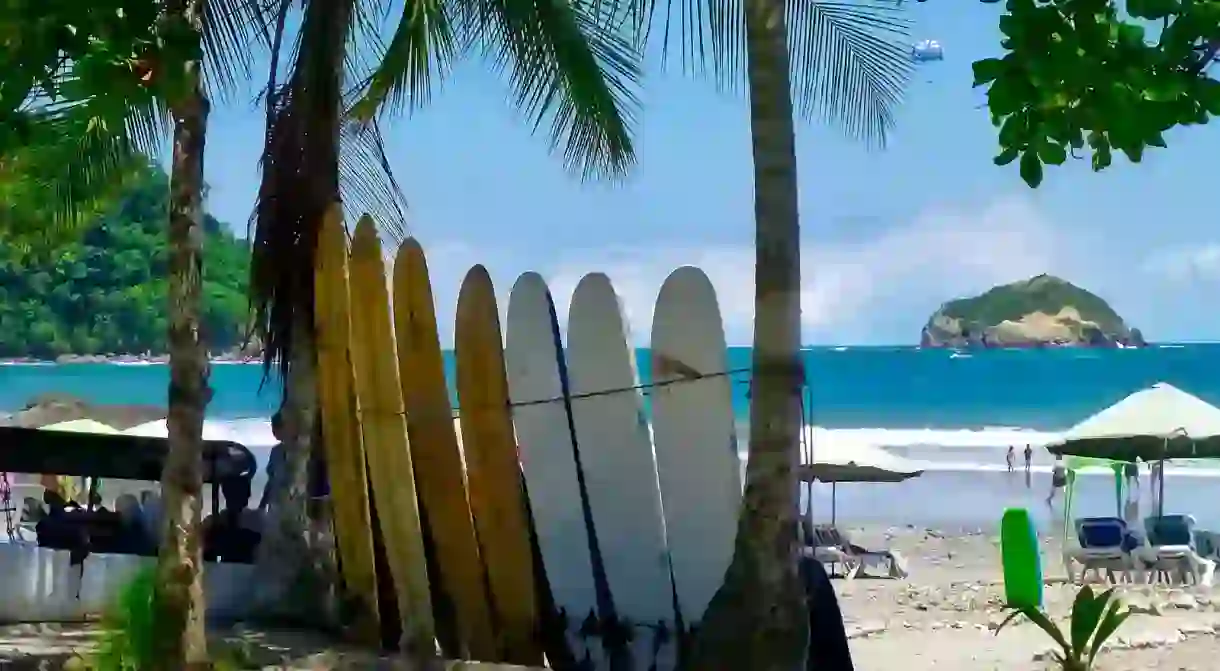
1170	550
1105	544
832	546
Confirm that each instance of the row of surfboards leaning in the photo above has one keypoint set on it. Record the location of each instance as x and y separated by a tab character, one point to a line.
567	510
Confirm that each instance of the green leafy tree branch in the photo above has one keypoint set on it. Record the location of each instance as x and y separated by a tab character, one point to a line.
1093	77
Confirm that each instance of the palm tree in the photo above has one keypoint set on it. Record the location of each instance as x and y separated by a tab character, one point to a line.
568	67
120	119
847	62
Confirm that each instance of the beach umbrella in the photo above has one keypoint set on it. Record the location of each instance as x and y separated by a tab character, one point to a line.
1157	423
836	460
79	426
82	426
57	408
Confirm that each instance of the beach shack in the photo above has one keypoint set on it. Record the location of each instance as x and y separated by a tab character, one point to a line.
73	567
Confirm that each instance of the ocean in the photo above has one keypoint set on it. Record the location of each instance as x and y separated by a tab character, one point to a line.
957	412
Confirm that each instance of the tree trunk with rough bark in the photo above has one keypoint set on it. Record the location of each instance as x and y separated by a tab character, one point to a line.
180	640
758	619
296	571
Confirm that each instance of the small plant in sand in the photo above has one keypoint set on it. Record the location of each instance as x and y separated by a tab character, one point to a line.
129	626
1095	618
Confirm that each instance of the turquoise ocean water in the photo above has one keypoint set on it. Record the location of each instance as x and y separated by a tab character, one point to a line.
957	412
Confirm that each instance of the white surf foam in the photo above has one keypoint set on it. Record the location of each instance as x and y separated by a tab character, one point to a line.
986	437
973	450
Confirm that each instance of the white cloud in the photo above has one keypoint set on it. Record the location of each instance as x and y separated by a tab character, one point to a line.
1188	263
876	289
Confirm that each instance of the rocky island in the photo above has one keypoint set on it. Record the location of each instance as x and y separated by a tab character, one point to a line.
1043	311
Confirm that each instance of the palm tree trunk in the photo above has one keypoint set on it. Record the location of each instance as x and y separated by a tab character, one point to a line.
758	619
181	642
295	570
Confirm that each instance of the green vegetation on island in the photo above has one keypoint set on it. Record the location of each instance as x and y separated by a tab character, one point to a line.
104	291
1042	310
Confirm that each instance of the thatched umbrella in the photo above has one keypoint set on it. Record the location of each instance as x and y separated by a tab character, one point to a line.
1154	424
836	461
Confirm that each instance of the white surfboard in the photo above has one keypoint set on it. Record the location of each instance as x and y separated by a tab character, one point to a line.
695	436
533	352
620	469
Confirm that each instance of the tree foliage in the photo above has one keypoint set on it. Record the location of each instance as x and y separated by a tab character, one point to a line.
103	292
1098	77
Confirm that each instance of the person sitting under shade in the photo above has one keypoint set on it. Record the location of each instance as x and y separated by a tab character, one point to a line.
232	535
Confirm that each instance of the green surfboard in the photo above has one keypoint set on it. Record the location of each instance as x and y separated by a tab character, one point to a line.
1022	559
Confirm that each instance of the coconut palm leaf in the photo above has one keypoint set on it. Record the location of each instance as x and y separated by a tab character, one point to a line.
569	65
79	148
570	70
850	59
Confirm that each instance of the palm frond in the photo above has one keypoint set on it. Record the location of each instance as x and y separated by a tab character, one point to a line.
710	36
366	182
571	66
850	64
74	166
418	56
850	59
233	32
300	180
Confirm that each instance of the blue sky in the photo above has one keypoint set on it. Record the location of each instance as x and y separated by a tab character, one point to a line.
887	235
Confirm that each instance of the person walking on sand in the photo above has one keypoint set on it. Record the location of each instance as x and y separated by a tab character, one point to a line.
1059	479
1011	458
1029	457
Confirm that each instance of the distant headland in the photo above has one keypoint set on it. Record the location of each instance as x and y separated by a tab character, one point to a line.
1043	311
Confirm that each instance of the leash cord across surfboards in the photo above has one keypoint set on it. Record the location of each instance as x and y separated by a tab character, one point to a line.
638	387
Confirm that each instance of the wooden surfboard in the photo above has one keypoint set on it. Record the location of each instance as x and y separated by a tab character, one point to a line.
492	469
533	359
349	495
385	439
619	465
696	439
440	473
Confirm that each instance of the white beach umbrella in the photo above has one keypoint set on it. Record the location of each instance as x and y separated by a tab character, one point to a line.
836	460
1160	422
81	426
160	429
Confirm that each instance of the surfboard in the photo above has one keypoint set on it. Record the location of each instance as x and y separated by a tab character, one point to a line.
379	396
349	497
533	360
1021	558
695	437
492	469
440	473
619	466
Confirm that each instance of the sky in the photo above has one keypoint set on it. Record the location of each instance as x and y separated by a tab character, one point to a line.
887	235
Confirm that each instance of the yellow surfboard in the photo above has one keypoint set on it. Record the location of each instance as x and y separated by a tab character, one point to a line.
439	471
385	440
492	468
341	434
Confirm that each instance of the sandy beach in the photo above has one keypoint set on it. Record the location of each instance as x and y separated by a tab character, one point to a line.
942	618
945	615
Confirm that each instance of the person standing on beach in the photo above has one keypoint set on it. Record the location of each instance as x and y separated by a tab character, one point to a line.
1059	479
1011	458
275	463
1029	457
318	488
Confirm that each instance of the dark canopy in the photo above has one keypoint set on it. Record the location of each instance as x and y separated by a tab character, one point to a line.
24	450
